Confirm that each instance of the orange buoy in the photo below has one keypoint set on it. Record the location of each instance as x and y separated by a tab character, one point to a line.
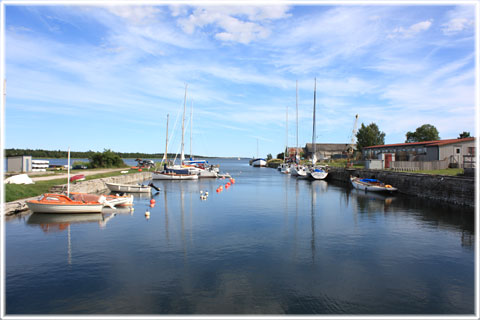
152	201
152	205
139	170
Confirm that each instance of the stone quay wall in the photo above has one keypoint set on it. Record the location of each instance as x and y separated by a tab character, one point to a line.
89	186
458	190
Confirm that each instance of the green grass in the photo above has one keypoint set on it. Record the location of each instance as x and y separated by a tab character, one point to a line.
445	172
21	191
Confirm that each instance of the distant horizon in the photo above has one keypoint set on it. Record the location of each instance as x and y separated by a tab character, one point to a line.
106	76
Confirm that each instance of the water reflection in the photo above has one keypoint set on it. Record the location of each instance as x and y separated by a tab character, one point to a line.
265	245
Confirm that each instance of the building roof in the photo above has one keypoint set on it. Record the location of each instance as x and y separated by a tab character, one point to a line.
331	147
424	143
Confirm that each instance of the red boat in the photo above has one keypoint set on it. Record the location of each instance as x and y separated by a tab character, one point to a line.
78	177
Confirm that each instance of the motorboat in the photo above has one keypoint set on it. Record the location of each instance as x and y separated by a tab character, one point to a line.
371	185
201	168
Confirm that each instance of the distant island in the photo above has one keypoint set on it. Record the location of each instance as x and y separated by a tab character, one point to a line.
40	153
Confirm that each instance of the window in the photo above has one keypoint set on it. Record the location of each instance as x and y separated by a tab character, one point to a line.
457	150
471	150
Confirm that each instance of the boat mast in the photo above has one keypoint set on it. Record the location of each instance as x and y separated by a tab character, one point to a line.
286	138
166	143
191	119
296	103
257	148
314	155
68	173
182	156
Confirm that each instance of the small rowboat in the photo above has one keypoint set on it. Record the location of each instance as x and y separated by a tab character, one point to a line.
371	185
78	177
117	187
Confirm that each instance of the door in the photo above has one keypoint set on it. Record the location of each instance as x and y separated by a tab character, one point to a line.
388	160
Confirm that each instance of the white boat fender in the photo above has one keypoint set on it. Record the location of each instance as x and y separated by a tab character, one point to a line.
147	213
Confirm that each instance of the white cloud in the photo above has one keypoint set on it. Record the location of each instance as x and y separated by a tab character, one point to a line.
459	19
411	30
134	14
242	24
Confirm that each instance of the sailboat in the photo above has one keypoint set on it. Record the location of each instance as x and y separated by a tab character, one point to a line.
59	203
285	167
199	167
259	162
175	172
297	170
315	173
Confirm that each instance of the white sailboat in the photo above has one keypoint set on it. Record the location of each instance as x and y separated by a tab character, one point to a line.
259	162
175	172
315	172
297	170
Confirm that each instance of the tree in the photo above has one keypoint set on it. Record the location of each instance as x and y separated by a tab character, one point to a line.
369	136
269	156
427	132
280	155
464	134
106	159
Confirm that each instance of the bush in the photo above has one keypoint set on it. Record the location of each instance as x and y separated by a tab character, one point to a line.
106	159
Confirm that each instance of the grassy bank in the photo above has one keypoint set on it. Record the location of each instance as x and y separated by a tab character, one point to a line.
21	191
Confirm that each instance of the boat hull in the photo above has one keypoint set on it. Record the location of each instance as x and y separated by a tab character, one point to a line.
36	206
317	175
173	176
259	163
115	187
298	171
357	184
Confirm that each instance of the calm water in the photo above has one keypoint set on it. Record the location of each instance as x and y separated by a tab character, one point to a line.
270	244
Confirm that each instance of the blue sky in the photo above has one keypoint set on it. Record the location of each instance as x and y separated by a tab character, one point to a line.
96	77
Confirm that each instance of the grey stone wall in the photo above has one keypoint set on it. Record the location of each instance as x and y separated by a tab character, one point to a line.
452	189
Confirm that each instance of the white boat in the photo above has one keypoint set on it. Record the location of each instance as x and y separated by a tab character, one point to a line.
259	162
371	185
317	173
175	172
201	168
19	179
117	187
166	175
284	168
108	200
298	171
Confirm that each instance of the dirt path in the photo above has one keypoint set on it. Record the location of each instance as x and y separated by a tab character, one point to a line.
84	172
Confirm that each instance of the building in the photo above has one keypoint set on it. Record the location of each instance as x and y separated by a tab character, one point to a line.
19	164
325	151
452	151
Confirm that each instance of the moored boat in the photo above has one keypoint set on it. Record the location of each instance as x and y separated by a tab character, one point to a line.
59	203
317	173
298	170
371	185
118	187
259	162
